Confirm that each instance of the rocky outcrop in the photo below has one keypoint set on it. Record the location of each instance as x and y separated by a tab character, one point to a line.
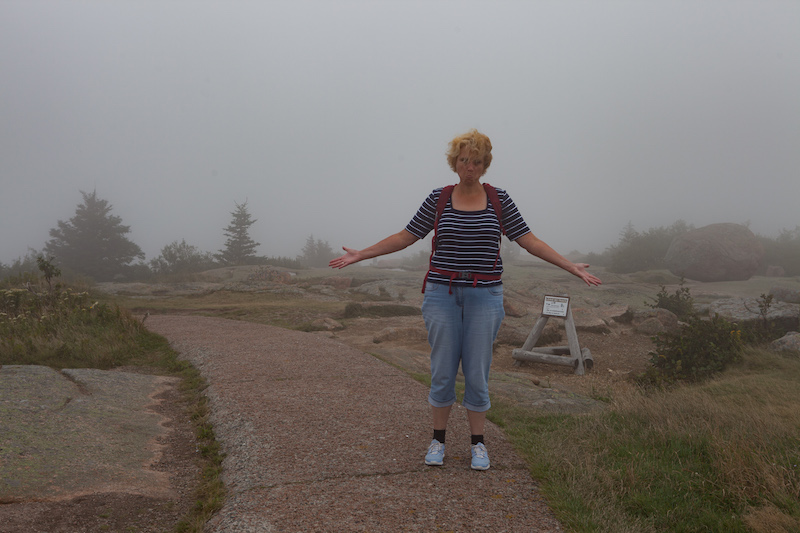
653	321
338	282
785	294
414	334
788	343
747	311
589	320
615	314
382	288
270	273
326	324
511	335
515	336
718	252
514	308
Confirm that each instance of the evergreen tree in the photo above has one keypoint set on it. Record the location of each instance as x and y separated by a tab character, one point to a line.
316	253
239	247
93	242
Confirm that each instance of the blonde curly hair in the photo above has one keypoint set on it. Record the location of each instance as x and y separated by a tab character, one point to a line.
477	142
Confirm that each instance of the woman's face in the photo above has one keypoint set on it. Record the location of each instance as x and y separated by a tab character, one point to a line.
469	166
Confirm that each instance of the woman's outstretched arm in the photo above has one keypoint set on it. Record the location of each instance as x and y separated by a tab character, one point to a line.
392	243
542	250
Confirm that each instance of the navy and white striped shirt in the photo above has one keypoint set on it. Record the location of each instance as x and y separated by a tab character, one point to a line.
468	240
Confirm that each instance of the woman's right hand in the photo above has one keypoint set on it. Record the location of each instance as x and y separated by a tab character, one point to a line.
351	256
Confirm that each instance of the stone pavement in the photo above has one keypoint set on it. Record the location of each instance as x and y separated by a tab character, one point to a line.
77	432
319	436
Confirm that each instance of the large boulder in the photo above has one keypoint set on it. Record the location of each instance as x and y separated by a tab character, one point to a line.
718	252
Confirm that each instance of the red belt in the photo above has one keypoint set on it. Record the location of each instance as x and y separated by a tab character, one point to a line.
474	276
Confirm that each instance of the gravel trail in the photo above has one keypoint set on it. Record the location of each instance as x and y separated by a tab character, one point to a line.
319	436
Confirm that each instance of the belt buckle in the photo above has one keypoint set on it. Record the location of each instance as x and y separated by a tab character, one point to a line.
465	275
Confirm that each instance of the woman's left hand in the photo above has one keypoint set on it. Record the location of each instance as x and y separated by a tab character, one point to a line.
351	256
580	271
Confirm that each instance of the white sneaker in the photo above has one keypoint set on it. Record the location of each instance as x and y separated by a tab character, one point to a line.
435	455
480	457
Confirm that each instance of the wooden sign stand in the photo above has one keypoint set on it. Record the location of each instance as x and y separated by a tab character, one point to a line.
580	359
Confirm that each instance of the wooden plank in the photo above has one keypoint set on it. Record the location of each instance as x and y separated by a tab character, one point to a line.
588	362
536	357
535	333
572	340
552	350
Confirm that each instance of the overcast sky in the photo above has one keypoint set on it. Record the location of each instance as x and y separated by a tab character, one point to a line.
332	118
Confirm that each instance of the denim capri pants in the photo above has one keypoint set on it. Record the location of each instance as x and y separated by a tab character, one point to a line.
462	327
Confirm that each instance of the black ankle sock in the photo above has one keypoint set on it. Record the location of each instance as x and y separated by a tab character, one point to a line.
439	434
476	439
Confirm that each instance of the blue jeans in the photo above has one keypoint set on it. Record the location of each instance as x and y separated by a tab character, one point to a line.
461	329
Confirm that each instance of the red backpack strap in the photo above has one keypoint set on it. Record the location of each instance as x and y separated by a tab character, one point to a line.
491	192
444	196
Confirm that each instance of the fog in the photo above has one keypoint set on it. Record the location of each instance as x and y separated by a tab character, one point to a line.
331	118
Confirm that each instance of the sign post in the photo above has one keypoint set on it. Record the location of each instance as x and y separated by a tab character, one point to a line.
579	359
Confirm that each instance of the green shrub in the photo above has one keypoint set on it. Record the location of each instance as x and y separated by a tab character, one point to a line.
680	302
65	329
700	349
765	330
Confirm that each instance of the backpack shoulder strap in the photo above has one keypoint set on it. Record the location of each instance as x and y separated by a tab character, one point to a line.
441	203
491	192
444	196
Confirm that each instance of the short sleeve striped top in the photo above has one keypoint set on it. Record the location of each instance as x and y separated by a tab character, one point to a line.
468	240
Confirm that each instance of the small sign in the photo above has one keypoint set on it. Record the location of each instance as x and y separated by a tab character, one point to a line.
555	306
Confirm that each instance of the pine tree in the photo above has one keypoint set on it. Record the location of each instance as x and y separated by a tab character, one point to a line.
316	253
93	242
239	247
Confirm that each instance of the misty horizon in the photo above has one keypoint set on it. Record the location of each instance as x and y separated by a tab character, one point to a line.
332	119
422	245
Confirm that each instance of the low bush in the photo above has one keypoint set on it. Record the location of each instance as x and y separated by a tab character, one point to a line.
680	302
702	348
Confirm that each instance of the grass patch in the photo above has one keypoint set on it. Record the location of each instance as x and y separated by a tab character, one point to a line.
66	328
718	456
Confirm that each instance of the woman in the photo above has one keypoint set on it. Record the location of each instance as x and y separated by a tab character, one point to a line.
463	303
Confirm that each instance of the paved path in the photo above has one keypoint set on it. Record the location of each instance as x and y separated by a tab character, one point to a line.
322	437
